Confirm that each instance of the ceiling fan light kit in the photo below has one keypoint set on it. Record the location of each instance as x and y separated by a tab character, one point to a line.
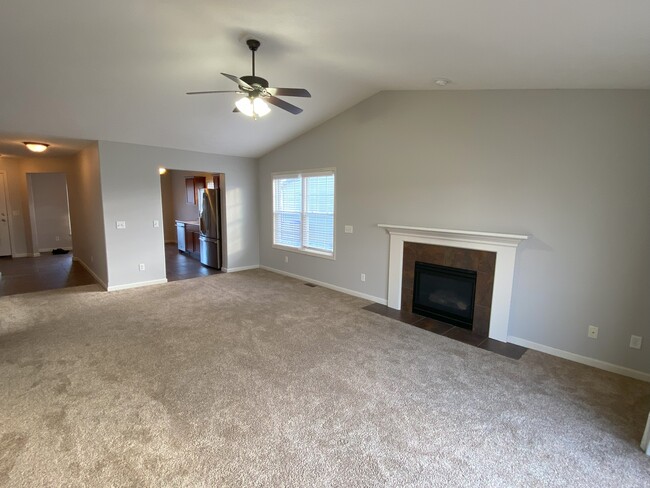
253	107
257	93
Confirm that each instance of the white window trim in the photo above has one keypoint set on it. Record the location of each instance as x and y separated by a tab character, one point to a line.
303	250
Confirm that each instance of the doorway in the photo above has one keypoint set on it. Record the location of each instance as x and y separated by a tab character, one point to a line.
5	234
184	239
49	212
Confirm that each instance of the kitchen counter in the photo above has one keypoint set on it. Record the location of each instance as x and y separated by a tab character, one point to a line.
188	236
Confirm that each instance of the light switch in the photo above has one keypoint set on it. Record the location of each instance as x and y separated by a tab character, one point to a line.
349	229
120	224
156	223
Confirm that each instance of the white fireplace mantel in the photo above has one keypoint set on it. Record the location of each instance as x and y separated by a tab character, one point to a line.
504	245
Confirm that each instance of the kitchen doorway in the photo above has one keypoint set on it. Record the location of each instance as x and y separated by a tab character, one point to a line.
194	245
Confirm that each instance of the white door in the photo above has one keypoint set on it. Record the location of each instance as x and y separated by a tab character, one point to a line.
5	243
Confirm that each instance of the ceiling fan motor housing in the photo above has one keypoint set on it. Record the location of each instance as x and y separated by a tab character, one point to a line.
255	80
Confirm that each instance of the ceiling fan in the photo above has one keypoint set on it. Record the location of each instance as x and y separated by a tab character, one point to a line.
257	92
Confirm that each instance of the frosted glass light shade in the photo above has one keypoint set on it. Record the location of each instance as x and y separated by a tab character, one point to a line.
253	107
37	147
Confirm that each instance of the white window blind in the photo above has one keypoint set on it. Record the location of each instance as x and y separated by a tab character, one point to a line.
303	211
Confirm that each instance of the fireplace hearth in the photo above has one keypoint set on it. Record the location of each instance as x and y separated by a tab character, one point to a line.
444	293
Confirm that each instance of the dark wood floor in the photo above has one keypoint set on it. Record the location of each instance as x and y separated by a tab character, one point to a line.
49	272
511	351
45	272
181	266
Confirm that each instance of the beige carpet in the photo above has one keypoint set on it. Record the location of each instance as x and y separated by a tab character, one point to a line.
253	379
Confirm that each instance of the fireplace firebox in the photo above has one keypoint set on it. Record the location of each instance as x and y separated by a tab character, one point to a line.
444	293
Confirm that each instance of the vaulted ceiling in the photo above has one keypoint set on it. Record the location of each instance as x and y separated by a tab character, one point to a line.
118	70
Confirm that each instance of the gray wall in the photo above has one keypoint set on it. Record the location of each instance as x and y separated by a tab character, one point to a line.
570	168
49	195
86	212
131	192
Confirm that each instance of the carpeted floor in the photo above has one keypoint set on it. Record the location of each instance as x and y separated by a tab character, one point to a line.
253	379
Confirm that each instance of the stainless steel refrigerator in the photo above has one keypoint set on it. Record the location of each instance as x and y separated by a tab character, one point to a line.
210	227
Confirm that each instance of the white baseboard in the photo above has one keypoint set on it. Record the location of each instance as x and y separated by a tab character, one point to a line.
596	363
21	255
92	273
136	285
241	268
347	291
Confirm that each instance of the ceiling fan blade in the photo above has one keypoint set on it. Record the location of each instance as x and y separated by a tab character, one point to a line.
211	91
239	81
283	105
289	92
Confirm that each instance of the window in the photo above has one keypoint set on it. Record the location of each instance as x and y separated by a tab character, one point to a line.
303	212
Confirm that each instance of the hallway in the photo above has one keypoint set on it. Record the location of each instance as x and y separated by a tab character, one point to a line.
45	272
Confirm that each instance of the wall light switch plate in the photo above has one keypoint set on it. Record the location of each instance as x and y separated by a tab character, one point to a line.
349	229
141	266
363	276
120	224
635	342
156	223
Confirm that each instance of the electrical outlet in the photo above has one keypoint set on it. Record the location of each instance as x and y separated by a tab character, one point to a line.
592	332
635	342
57	238
120	224
349	229
141	266
363	276
286	259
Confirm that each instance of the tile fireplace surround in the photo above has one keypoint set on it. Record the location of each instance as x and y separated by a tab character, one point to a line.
504	245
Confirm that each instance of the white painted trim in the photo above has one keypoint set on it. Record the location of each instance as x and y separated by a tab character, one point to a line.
484	236
136	285
92	273
240	268
50	249
21	255
596	363
327	285
10	214
34	254
504	245
645	441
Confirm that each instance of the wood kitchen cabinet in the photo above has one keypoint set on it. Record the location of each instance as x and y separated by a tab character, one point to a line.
188	237
192	186
192	243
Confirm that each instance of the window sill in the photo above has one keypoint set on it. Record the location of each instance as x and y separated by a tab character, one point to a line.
307	253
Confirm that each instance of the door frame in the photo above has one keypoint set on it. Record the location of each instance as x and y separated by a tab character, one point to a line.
10	214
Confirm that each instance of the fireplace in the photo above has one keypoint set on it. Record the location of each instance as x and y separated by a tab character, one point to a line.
444	293
490	254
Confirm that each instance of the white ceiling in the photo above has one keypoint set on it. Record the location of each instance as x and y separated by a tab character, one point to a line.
118	70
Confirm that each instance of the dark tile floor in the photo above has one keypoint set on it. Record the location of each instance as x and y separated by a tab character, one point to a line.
511	351
182	266
45	272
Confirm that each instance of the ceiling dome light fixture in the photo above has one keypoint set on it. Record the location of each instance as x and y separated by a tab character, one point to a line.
442	81
252	106
37	147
